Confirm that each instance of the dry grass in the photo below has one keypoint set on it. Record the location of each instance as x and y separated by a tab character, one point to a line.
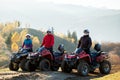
4	58
115	76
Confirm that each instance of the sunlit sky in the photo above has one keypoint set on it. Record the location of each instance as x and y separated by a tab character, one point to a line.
24	11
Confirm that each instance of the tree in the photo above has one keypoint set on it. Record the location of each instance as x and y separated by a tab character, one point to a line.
1	26
15	37
74	36
36	42
17	23
22	35
8	28
69	34
14	47
8	40
2	43
52	30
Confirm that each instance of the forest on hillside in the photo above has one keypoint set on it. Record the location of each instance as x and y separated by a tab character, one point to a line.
12	37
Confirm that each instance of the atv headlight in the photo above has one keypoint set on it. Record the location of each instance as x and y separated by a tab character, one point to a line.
40	55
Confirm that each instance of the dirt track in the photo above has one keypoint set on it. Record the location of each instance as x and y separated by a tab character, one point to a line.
5	74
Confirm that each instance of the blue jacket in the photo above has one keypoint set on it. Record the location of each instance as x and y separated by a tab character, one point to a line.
27	43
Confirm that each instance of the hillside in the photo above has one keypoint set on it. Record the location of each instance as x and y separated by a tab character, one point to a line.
68	45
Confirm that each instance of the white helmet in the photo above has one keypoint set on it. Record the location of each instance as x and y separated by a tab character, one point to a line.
28	35
49	30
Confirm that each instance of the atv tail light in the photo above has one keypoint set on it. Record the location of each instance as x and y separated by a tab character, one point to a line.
65	56
78	57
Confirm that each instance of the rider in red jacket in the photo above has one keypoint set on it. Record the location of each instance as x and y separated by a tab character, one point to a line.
48	41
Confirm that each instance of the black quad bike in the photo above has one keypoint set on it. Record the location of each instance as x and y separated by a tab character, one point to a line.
18	59
85	63
44	60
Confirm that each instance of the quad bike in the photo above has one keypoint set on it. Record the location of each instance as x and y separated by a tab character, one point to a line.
83	62
18	60
43	60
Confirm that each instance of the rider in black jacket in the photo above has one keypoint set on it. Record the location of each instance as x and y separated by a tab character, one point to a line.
85	43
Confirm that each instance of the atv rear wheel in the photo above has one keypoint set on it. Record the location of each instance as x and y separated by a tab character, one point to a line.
22	65
44	65
29	66
83	68
65	67
105	67
13	66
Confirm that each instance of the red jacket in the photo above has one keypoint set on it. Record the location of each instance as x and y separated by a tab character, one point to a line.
48	41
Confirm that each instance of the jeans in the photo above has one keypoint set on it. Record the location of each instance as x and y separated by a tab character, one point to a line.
79	50
51	51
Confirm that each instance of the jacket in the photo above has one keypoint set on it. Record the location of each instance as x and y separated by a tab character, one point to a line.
48	41
27	43
85	42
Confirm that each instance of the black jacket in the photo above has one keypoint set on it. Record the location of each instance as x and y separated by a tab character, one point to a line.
85	42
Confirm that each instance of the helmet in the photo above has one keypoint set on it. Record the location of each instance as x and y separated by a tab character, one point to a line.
61	47
86	31
49	30
97	47
28	35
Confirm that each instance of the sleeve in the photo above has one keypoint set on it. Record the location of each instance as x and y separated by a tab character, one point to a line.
52	41
90	43
79	43
23	44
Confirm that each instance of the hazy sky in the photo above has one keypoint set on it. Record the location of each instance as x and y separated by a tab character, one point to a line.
111	4
27	11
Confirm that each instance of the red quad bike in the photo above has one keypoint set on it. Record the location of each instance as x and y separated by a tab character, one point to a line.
83	62
44	60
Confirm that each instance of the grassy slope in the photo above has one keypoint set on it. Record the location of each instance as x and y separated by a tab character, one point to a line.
68	45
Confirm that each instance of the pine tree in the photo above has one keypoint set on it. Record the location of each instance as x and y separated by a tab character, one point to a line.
74	36
8	40
69	34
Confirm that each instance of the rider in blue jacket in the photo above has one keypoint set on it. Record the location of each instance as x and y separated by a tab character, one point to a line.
27	44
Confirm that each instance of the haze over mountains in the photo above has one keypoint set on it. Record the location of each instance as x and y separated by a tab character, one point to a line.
104	24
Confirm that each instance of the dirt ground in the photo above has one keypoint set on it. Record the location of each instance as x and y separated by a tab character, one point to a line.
6	74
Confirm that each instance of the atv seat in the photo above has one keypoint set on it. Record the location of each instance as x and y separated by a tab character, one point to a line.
57	54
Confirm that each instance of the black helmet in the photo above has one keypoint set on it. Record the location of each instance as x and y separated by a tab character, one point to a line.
86	31
97	47
61	47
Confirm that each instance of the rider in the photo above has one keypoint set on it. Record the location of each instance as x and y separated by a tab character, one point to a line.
85	43
48	41
27	44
